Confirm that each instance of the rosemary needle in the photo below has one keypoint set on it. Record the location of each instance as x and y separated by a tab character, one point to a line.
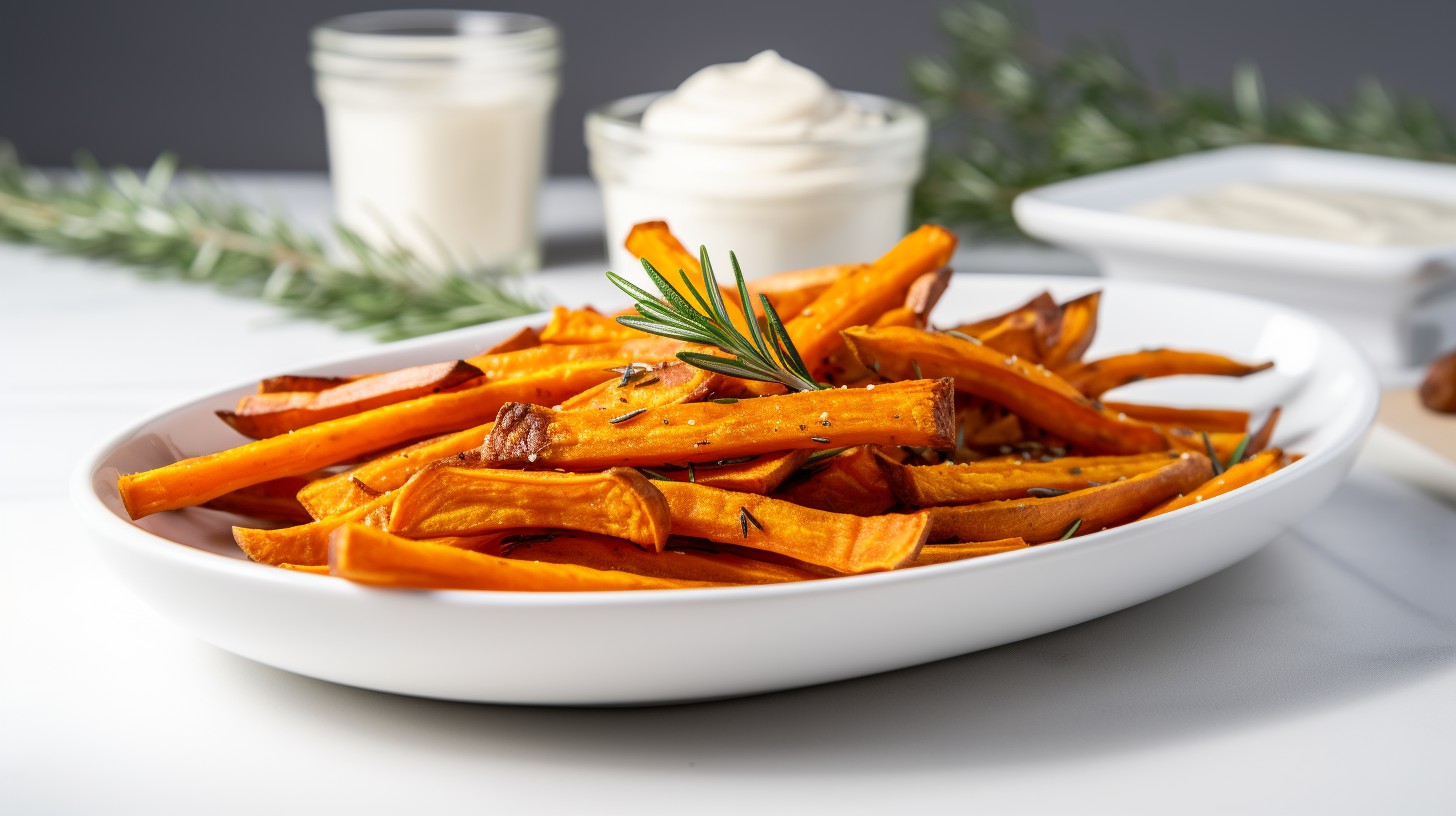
765	356
624	417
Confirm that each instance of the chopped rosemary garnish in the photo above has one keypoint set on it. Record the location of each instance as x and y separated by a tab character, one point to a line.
624	417
725	400
653	475
1044	492
511	542
751	520
692	473
962	336
1212	454
753	357
915	366
820	455
1238	455
629	372
736	460
1072	530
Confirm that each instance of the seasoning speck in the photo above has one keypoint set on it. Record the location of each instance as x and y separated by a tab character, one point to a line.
819	439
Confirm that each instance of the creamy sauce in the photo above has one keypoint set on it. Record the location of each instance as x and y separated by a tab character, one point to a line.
1310	211
766	98
767	159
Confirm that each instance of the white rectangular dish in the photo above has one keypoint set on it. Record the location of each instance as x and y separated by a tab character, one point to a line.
1398	303
604	648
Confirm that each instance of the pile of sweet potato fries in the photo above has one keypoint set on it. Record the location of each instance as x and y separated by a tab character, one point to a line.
585	456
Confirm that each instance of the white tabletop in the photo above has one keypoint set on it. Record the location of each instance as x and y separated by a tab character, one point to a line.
1317	676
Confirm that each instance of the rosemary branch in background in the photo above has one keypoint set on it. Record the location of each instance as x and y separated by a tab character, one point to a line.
192	231
754	358
1011	114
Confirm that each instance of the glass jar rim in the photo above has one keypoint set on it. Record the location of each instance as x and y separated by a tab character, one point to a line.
620	121
434	34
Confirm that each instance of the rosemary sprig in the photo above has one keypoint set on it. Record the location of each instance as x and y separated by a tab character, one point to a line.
187	229
708	323
1014	113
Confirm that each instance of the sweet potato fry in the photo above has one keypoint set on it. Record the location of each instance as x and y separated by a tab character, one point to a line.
641	349
1097	377
299	382
1213	420
1031	391
455	501
941	485
1243	473
790	292
1260	439
584	326
859	299
369	556
523	338
683	559
843	368
307	544
654	242
945	553
917	413
662	384
1024	331
760	474
1076	327
851	482
1039	520
270	501
263	415
203	478
836	541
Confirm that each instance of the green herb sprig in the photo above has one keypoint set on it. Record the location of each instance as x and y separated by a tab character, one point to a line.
754	357
191	231
1012	113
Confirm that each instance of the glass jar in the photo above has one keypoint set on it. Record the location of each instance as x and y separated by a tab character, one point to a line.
437	129
778	205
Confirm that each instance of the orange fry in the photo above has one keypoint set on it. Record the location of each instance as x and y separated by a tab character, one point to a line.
454	501
835	541
996	480
945	553
915	413
1213	420
369	556
307	544
851	482
203	478
1039	520
861	298
1097	377
1031	391
264	415
1076	327
684	559
1243	473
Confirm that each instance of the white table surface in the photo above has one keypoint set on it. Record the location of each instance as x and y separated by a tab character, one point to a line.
1317	676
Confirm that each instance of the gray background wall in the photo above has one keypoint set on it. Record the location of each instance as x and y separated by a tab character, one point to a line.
227	84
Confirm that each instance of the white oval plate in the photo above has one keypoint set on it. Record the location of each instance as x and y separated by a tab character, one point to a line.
694	644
